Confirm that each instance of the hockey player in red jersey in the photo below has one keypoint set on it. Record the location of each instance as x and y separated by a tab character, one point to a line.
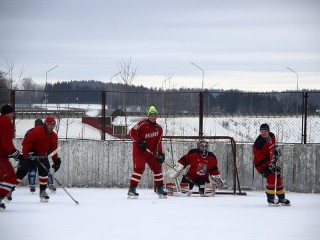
147	149
265	162
202	164
40	141
8	179
32	174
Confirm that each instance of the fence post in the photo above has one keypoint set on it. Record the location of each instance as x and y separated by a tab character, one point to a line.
305	113
103	117
13	104
201	114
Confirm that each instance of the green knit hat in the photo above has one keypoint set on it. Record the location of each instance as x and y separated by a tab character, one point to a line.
152	110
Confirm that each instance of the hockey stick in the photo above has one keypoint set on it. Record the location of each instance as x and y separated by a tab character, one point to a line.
54	152
42	157
164	162
176	180
44	167
275	188
277	159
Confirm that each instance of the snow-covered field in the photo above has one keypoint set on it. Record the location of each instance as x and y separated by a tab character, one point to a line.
242	129
107	214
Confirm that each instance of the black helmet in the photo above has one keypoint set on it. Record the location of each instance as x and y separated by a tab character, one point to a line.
265	127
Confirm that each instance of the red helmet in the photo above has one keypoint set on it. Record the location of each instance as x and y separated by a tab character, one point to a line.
50	120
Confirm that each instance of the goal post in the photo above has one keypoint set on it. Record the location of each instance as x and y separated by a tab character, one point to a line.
224	147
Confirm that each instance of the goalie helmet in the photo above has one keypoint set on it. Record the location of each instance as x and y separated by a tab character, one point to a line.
203	147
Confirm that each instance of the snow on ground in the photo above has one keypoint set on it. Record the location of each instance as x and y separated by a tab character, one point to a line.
108	214
242	129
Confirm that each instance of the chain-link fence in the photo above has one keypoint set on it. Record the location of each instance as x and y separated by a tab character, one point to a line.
292	116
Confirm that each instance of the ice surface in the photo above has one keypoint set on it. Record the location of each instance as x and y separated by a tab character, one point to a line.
108	214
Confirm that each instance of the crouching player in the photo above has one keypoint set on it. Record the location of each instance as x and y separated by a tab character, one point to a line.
201	168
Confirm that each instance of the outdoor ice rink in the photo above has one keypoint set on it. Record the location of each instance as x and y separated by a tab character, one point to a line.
107	214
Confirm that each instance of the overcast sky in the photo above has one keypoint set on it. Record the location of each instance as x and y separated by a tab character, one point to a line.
240	44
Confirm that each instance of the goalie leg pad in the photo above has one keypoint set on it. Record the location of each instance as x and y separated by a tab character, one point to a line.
173	191
171	188
209	190
184	187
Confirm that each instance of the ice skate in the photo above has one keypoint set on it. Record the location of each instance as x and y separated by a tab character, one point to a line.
32	189
273	203
132	193
161	192
201	191
8	198
2	206
44	197
52	187
284	202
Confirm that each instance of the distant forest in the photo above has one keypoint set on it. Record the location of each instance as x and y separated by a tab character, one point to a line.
183	100
131	98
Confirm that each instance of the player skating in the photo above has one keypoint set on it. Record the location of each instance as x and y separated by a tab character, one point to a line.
8	179
265	162
32	173
40	140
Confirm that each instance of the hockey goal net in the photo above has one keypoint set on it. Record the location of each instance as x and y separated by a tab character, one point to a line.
224	147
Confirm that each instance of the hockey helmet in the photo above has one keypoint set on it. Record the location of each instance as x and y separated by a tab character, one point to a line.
203	146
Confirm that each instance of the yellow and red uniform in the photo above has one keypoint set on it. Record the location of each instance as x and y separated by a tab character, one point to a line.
263	152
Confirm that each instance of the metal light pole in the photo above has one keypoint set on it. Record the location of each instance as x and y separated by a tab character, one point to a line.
200	103
202	73
297	84
46	87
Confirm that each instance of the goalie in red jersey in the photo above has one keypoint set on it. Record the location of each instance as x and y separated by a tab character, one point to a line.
202	168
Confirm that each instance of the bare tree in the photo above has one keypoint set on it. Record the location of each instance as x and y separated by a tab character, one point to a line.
9	66
126	74
4	93
29	97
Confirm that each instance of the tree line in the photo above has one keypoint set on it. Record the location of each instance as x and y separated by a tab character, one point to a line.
131	98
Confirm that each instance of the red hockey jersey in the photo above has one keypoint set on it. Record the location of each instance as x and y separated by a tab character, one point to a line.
200	167
263	151
149	132
6	136
39	140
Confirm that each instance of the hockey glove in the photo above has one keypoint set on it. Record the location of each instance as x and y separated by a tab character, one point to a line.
277	154
56	164
161	157
175	171
216	179
274	168
14	154
143	145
